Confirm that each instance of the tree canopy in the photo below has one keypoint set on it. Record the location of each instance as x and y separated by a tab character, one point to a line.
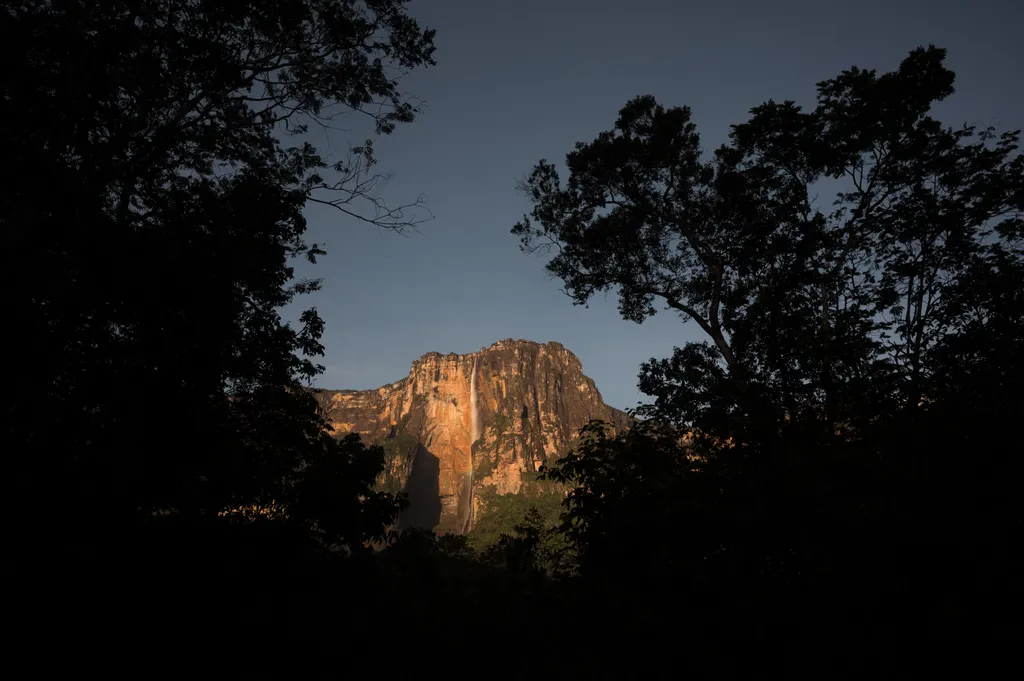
838	448
817	302
151	211
861	367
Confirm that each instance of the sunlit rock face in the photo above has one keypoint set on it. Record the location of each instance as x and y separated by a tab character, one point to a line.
531	401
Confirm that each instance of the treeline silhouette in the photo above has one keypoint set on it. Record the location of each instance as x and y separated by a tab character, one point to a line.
839	457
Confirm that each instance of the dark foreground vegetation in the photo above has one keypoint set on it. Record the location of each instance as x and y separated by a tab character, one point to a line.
838	461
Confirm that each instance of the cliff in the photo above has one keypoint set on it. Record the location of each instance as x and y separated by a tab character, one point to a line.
459	425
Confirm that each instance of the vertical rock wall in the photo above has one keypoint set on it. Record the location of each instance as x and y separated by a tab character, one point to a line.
533	398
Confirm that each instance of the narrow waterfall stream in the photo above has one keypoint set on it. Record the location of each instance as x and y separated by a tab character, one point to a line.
466	520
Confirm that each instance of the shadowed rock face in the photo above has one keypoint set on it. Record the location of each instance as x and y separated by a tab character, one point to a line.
532	398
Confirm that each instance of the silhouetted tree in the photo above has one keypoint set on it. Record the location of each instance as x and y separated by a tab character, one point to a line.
842	340
811	304
150	208
533	550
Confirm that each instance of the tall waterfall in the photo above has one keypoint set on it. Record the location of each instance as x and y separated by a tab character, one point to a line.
474	407
466	512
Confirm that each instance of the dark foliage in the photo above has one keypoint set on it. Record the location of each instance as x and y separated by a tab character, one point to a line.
150	209
839	448
837	456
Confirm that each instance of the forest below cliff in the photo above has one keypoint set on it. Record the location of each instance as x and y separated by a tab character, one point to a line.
837	458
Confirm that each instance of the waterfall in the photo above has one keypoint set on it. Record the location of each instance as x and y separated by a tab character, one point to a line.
474	408
474	435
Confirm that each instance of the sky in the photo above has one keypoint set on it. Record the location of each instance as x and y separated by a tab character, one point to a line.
521	80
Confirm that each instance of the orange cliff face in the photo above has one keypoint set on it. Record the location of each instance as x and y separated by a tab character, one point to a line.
532	399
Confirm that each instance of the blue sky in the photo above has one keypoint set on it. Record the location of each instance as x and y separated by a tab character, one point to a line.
521	80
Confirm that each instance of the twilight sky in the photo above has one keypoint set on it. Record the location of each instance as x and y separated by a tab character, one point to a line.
521	80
